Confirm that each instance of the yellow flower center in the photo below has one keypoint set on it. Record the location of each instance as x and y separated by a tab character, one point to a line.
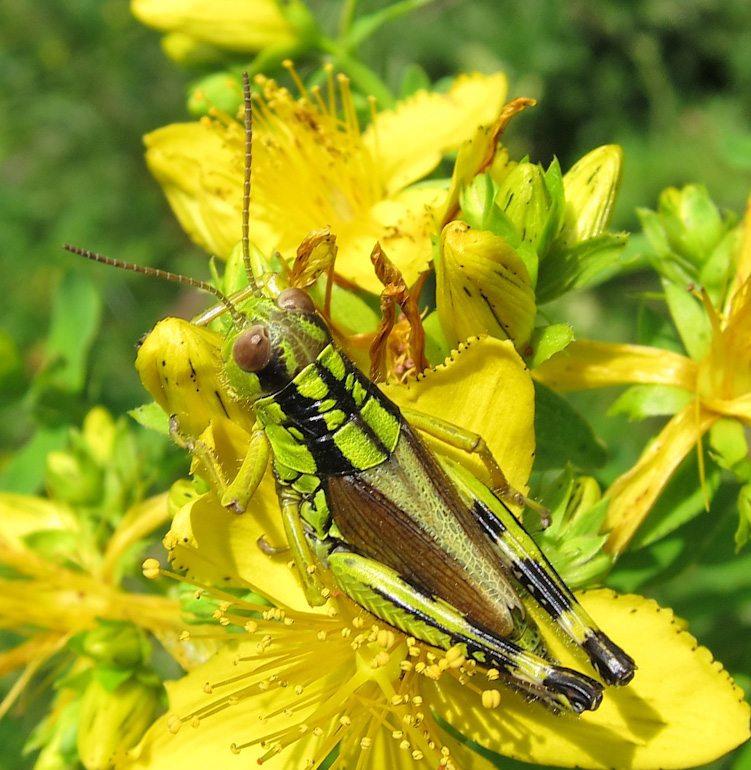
331	680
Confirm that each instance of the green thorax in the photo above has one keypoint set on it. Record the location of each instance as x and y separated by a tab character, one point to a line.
330	420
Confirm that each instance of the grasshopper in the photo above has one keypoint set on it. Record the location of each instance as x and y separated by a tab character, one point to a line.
411	536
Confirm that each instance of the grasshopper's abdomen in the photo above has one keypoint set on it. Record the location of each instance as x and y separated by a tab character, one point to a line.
406	535
363	474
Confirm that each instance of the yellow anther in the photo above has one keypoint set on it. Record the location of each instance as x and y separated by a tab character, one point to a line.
491	699
150	569
174	723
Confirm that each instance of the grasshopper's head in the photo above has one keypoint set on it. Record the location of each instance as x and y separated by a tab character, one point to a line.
280	339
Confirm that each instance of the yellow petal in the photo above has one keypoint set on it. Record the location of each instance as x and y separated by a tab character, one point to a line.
410	140
202	178
485	388
681	709
24	515
633	494
216	547
743	271
590	189
585	364
180	365
482	287
206	742
239	25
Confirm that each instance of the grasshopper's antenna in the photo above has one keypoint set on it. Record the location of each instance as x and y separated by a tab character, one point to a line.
165	275
246	186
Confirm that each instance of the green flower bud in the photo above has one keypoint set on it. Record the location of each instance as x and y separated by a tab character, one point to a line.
691	221
73	479
220	89
111	722
591	188
482	287
524	198
99	433
116	644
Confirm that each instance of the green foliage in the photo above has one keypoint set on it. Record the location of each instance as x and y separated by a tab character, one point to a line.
670	84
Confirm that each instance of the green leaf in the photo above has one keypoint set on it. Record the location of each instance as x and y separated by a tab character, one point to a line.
642	401
563	435
11	365
24	474
743	533
690	319
546	341
76	310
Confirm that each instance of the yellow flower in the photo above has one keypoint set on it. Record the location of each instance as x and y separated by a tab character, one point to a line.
719	384
303	683
238	25
313	167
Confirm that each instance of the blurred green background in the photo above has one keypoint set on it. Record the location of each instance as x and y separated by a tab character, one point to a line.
83	81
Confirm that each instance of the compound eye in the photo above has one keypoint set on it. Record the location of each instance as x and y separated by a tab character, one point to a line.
252	349
295	301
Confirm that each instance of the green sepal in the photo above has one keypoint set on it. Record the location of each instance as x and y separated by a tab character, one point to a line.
566	269
112	721
690	320
546	341
219	90
563	435
113	644
414	79
656	331
641	401
355	312
729	447
524	198
152	417
437	347
682	500
718	269
573	541
110	677
59	546
556	208
55	737
692	223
